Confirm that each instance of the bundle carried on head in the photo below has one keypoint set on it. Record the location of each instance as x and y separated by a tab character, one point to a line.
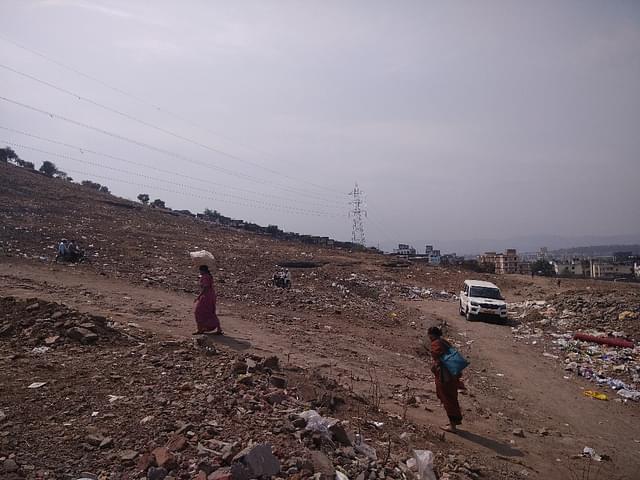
202	257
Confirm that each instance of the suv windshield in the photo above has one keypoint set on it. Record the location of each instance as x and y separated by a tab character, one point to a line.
485	292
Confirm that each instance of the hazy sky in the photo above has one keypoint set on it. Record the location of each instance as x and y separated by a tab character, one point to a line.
460	120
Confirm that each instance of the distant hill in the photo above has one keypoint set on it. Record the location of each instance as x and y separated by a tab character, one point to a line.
598	250
532	243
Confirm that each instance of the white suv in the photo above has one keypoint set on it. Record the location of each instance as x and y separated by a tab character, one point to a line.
478	297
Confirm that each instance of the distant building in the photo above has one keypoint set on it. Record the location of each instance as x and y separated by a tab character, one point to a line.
636	269
623	256
609	271
503	263
543	253
405	249
573	267
524	268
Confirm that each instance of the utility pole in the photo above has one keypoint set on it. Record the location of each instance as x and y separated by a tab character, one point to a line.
357	235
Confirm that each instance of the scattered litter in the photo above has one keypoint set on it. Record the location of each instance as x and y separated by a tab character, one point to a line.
37	384
629	394
114	398
40	350
589	452
597	395
424	464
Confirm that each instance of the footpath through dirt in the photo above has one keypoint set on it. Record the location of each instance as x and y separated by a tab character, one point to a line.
511	386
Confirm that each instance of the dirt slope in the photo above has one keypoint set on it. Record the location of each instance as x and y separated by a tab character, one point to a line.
350	320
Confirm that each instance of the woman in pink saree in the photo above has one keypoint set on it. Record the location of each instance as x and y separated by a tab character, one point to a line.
205	310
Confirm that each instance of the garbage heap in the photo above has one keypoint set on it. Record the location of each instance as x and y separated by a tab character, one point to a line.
594	334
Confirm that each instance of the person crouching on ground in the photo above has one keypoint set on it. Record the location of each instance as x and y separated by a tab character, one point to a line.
205	310
446	384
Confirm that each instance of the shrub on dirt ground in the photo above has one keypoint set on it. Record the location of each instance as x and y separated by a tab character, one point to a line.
7	154
144	198
157	203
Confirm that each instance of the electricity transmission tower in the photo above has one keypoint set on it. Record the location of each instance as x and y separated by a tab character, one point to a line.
357	236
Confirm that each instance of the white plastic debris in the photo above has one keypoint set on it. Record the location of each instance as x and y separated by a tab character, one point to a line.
37	384
424	463
341	476
40	350
629	394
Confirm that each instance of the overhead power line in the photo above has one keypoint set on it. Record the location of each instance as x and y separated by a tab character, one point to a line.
84	150
252	204
155	187
149	104
153	148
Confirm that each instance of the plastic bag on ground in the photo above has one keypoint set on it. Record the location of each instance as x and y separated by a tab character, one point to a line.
629	394
424	463
202	257
316	422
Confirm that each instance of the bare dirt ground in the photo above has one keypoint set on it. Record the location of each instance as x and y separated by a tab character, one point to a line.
511	386
353	324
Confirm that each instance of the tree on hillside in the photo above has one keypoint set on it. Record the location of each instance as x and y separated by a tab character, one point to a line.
91	185
7	154
542	267
104	189
49	168
25	164
144	198
157	203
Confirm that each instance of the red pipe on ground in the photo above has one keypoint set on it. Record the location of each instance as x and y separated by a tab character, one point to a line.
614	342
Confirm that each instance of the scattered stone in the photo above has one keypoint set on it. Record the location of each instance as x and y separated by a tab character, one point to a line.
51	340
107	442
322	465
340	434
157	473
10	465
239	367
32	307
278	382
275	398
164	458
94	439
144	462
246	379
176	443
221	474
299	423
128	455
254	462
83	335
272	363
518	432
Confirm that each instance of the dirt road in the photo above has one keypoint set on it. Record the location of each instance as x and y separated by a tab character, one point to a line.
511	385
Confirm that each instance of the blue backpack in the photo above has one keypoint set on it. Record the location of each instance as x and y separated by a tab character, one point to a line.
453	361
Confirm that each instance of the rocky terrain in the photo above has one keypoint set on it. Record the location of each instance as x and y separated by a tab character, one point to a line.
330	379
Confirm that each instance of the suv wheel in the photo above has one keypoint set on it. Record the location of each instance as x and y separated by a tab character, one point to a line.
469	315
460	310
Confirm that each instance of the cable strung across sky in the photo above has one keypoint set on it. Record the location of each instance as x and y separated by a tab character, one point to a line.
252	204
84	150
144	102
153	148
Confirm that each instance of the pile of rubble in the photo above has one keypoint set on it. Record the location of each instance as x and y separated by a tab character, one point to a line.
46	325
557	324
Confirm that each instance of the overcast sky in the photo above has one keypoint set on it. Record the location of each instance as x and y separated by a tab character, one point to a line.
459	120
